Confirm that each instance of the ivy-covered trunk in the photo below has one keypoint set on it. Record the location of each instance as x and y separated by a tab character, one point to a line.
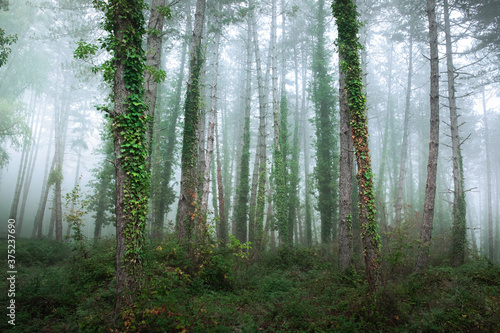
349	46
345	178
188	195
430	188
126	25
323	97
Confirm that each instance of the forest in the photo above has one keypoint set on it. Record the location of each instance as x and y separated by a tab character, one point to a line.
250	165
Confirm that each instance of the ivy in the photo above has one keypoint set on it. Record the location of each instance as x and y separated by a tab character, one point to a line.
349	47
125	24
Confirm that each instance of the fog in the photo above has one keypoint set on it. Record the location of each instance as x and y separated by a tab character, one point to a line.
49	99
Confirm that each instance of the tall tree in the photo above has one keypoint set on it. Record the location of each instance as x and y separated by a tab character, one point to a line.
323	97
345	177
244	186
124	20
280	197
459	234
188	196
348	25
213	112
166	195
491	245
430	188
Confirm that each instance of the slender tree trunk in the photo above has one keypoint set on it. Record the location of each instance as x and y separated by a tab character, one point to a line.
243	187
21	172
488	178
211	121
406	127
381	179
44	194
152	75
260	165
188	195
223	234
459	234
171	140
29	176
306	145
61	119
430	188
281	208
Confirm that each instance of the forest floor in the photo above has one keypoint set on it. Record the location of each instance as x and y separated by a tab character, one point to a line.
68	288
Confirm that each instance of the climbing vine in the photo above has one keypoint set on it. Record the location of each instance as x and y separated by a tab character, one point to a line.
125	24
349	47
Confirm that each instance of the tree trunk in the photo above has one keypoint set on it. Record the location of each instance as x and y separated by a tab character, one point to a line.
211	121
29	176
345	13
223	234
281	209
171	141
345	179
44	194
406	127
459	234
430	188
306	144
488	178
389	118
188	195
130	125
243	186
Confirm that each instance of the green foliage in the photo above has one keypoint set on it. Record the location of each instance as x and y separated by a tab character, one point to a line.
5	41
323	96
129	127
55	176
76	207
13	127
293	289
349	46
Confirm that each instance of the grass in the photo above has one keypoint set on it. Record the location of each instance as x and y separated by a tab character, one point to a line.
62	288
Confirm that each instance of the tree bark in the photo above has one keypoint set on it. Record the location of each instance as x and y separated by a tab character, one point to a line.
459	234
430	188
345	179
211	121
171	141
488	178
404	145
348	25
188	195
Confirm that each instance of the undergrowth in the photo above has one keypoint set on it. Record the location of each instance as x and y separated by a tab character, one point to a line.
63	288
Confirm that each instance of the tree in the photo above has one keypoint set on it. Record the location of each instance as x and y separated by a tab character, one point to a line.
323	97
125	23
430	188
188	195
459	234
244	186
348	25
280	197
